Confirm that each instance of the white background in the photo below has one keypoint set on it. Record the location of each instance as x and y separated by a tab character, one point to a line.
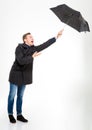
61	94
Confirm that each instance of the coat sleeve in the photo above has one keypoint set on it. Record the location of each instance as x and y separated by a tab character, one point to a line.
22	60
45	44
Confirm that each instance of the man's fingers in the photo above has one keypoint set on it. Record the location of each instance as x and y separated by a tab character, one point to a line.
60	33
36	54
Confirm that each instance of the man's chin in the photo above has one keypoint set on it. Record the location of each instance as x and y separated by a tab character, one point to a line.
32	43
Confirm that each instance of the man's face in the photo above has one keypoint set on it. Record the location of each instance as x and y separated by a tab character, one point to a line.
29	40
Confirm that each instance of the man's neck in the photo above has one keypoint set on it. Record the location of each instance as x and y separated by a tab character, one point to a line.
27	44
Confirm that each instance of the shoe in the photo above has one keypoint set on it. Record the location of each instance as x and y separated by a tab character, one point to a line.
12	119
21	118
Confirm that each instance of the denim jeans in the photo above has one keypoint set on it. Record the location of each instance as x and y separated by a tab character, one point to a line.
19	100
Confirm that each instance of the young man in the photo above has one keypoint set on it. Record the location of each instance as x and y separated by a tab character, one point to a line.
21	72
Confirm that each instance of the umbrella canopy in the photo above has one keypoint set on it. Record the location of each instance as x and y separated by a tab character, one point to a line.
71	17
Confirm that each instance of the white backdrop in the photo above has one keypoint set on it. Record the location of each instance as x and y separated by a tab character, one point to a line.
61	94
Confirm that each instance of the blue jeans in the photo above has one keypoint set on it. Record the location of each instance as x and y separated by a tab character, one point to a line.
20	91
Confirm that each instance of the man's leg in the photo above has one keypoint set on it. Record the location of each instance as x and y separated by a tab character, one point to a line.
11	96
19	102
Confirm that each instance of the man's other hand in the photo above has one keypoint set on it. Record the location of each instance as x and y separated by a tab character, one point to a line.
36	54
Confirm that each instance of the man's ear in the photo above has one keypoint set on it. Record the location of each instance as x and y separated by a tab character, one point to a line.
24	40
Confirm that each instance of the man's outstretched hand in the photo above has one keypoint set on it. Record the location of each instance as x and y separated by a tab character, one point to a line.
59	33
35	54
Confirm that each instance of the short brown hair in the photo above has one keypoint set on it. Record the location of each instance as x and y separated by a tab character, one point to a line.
24	36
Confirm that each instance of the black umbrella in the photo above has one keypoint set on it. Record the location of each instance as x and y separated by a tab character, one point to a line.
71	17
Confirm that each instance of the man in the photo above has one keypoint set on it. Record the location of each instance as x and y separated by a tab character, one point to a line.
21	72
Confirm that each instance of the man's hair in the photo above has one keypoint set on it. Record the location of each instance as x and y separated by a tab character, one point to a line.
24	36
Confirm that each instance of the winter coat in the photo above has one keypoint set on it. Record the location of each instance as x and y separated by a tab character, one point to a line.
22	68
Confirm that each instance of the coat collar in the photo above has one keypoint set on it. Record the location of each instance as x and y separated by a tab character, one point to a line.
26	46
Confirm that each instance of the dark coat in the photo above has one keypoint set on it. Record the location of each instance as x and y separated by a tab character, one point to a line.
21	71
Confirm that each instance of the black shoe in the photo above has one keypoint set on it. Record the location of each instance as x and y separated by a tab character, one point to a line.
21	118
12	119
